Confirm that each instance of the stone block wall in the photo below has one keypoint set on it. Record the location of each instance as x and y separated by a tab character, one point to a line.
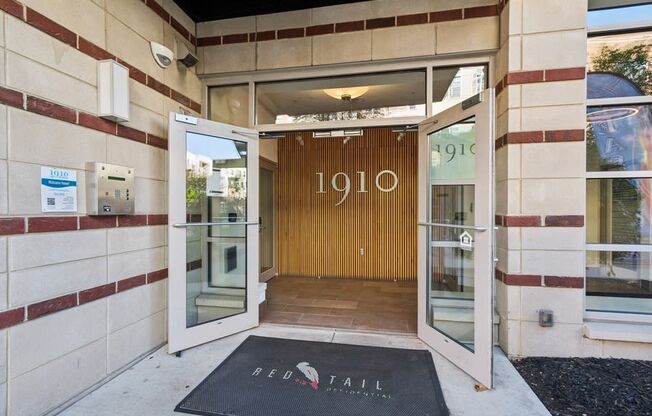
81	296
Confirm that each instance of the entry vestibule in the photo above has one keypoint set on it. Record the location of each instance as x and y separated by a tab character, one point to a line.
346	235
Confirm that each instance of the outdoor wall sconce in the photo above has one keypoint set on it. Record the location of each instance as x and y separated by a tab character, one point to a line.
113	91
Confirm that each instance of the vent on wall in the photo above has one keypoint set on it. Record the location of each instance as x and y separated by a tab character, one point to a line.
324	134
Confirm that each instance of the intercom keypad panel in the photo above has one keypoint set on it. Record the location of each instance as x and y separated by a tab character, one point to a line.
110	189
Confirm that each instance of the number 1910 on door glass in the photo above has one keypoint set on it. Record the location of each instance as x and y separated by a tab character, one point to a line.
341	182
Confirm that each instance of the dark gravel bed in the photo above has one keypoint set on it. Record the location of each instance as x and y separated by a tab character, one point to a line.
590	386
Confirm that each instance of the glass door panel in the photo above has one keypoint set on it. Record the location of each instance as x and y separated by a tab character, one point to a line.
455	257
213	235
216	193
452	199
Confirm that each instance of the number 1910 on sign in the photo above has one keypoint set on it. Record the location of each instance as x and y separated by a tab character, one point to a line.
343	185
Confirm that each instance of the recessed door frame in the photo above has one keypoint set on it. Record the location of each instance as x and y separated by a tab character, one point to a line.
273	271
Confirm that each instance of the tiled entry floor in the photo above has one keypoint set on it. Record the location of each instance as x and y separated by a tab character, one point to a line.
368	305
153	386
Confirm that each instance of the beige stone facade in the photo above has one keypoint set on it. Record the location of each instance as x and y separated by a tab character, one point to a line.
81	298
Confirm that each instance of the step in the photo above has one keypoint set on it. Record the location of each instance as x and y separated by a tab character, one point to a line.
220	301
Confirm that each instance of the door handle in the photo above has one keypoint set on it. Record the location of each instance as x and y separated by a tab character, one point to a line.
209	224
459	227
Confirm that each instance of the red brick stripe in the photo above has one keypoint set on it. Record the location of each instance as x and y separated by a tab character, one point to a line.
132	282
539	280
548	136
158	9
12	98
131	134
235	38
132	220
157	275
36	310
93	50
47	307
12	7
50	109
167	17
564	135
157	141
97	123
539	221
96	293
297	32
319	30
412	19
12	317
180	28
57	31
380	22
349	26
16	225
563	281
51	224
341	27
50	27
518	279
564	221
210	41
565	74
157	219
90	223
446	15
481	11
70	115
544	75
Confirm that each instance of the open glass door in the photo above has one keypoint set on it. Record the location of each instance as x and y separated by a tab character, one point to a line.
213	231
455	237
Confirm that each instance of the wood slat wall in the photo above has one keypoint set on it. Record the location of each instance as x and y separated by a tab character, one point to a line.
317	238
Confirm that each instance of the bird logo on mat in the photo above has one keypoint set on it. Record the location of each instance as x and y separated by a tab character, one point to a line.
311	374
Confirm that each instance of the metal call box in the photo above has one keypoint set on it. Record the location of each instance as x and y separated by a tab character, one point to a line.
109	189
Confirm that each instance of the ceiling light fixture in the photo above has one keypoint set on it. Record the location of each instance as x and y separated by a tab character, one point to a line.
346	94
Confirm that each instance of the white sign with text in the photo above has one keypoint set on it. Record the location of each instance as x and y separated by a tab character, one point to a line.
58	190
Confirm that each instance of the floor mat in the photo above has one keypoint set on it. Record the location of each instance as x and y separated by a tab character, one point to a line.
281	377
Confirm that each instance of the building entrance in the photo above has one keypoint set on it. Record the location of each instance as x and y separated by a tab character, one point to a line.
348	246
346	214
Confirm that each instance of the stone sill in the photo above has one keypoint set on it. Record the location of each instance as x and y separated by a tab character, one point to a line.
618	331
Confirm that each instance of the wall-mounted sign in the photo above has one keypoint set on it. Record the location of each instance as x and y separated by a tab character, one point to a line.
341	182
58	190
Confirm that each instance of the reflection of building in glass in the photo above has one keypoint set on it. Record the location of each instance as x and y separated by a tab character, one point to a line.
467	82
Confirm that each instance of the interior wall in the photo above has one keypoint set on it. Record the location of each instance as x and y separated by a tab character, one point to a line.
370	235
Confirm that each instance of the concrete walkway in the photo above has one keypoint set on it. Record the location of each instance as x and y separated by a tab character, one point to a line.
157	383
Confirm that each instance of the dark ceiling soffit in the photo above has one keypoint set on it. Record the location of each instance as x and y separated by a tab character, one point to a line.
207	10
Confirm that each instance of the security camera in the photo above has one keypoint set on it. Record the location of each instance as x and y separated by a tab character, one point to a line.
185	55
162	55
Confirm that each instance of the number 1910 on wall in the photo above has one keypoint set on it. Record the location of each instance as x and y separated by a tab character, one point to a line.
344	185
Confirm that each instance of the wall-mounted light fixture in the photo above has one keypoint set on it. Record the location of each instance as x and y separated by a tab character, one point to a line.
113	91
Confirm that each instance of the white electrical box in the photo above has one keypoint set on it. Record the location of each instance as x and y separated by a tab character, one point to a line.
113	91
109	189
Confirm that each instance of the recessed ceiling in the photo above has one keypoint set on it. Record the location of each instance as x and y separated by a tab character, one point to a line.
206	10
